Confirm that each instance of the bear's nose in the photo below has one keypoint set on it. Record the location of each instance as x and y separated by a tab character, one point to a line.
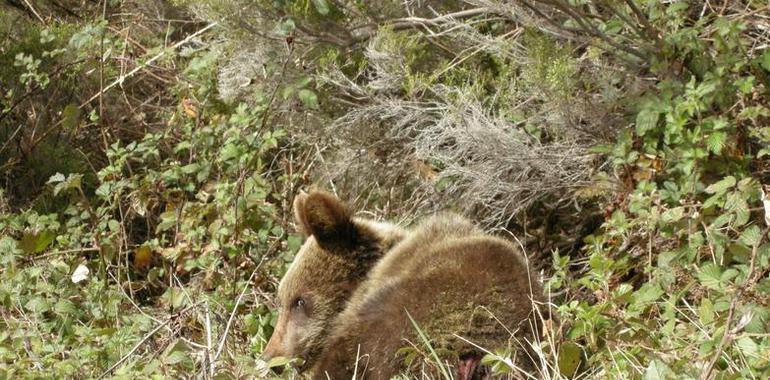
277	370
266	356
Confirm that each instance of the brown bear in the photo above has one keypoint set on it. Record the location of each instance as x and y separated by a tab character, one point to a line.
336	257
357	288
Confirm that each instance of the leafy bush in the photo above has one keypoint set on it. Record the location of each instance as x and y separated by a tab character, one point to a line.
149	159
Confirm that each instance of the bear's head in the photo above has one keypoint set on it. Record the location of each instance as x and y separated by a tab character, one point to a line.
338	253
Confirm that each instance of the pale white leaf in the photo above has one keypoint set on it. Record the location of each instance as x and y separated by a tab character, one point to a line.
80	273
766	204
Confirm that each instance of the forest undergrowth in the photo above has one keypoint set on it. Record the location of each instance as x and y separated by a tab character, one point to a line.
150	151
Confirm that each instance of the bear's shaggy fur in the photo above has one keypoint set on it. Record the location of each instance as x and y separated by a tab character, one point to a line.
360	282
336	257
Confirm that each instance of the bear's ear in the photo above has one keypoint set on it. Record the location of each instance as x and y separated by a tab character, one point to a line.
324	216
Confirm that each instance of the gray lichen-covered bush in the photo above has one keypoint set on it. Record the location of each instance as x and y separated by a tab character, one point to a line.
150	152
481	111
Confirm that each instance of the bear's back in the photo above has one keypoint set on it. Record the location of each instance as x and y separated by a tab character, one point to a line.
450	278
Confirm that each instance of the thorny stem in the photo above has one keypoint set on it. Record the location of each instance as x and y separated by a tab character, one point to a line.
728	335
97	237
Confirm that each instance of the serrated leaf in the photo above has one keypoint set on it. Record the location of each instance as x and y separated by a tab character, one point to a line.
175	357
176	353
710	276
321	6
65	307
742	213
648	293
712	200
38	305
113	225
646	120
722	185
191	168
308	98
720	221
764	60
36	242
672	215
759	321
748	346
751	236
728	275
716	141
8	247
657	370
706	311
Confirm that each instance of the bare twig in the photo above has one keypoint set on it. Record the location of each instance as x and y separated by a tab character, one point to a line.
31	8
365	32
143	340
232	315
751	277
209	347
150	61
61	252
727	336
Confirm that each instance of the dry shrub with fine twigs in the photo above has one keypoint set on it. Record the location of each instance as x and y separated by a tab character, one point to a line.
449	143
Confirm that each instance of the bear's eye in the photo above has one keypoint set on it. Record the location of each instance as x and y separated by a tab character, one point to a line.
299	303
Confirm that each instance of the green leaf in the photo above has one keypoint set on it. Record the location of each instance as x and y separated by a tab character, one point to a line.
706	311
764	60
36	242
278	361
722	185
751	236
176	352
65	307
657	370
648	293
38	305
308	98
70	117
672	215
569	358
321	6
748	347
746	84
286	28
742	212
646	120
8	248
175	357
716	141
73	181
712	277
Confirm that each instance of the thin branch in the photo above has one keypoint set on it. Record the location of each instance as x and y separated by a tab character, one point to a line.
150	61
143	340
365	32
31	8
232	315
751	277
62	252
706	374
651	31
